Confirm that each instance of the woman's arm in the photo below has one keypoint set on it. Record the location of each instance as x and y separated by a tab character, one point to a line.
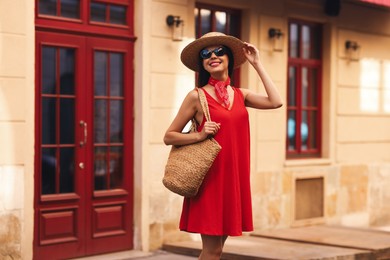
189	108
256	100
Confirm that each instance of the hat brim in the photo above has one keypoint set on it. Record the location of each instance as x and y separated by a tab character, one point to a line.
190	54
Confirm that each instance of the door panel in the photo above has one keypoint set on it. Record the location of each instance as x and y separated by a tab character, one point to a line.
83	183
59	203
58	225
110	149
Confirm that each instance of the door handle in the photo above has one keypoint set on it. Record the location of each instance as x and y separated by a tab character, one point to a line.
81	165
84	125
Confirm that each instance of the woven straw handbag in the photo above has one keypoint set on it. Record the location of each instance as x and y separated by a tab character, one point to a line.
187	165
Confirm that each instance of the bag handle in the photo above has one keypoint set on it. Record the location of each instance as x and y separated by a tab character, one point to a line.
203	103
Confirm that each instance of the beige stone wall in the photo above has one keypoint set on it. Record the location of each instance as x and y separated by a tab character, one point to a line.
362	118
363	98
356	130
168	82
16	128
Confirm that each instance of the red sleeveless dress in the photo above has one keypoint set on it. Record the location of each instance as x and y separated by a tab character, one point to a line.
223	205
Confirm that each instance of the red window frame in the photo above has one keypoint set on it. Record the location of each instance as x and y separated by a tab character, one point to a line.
85	25
230	28
303	138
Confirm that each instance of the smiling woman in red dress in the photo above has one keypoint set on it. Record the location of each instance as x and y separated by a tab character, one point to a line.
223	205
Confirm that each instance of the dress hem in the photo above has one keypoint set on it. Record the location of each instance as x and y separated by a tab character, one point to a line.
218	234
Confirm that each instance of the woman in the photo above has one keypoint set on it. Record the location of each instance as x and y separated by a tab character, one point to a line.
222	207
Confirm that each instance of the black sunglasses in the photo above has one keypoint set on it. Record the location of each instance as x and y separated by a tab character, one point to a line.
206	54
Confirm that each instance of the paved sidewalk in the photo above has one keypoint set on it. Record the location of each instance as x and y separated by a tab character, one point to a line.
305	243
163	255
139	255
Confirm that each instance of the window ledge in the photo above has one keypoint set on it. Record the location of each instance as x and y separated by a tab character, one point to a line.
307	162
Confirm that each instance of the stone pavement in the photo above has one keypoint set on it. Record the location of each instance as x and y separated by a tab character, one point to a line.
139	255
304	243
164	255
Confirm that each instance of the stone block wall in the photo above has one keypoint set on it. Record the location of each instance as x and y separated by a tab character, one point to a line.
11	204
10	237
16	128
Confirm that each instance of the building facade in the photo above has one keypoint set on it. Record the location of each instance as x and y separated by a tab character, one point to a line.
88	88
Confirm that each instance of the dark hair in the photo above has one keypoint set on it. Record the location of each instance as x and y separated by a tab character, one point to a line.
204	75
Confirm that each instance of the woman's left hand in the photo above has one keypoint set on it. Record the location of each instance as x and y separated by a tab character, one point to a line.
251	53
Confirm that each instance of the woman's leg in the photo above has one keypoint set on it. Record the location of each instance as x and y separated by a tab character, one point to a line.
224	240
212	247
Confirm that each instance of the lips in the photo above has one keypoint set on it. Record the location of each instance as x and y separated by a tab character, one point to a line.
214	63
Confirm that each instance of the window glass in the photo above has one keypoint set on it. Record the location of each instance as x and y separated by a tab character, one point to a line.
304	86
98	12
108	13
48	70
57	120
67	71
100	121
313	83
117	14
294	43
67	126
48	171
48	7
100	168
306	42
116	167
49	127
116	121
291	131
220	21
62	8
313	130
304	131
205	21
70	8
292	86
67	170
100	74
108	119
116	74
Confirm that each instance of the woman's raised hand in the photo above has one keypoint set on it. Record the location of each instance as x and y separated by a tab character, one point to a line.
251	53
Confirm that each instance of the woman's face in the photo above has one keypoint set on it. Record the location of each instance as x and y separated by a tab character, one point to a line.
215	59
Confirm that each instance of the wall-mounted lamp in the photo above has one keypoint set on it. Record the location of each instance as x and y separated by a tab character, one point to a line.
276	35
352	49
177	27
351	45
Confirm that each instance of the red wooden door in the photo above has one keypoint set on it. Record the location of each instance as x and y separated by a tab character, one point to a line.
83	173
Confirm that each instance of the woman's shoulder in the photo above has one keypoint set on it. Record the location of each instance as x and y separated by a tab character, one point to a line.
191	97
193	94
243	91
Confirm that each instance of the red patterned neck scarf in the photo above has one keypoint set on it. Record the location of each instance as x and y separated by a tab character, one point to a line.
221	90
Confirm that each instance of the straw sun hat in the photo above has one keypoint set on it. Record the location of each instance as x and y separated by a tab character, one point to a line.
190	54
